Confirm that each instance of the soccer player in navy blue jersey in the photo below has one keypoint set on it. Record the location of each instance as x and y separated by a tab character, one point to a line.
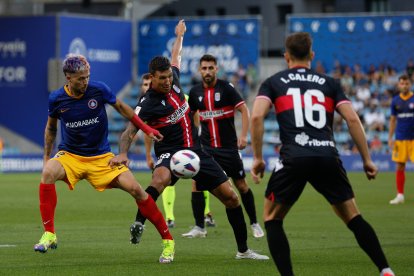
165	108
305	102
216	102
84	151
402	125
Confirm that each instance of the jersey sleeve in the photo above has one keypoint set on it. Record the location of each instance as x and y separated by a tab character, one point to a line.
340	97
234	95
145	108
265	91
393	109
108	95
52	111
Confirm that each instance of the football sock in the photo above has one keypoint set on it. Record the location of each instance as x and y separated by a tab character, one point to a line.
149	209
168	199
154	194
368	241
279	246
248	203
198	205
400	179
237	222
48	201
207	200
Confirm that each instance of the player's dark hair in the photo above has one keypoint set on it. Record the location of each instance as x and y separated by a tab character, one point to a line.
160	64
299	45
404	78
146	76
208	57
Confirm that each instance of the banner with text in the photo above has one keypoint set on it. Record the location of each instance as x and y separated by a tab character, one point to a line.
26	45
106	43
352	163
234	42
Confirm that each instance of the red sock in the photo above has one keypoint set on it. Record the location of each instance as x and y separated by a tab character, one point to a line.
150	210
48	200
400	179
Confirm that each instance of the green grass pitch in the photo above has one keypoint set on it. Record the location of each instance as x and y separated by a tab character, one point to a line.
93	233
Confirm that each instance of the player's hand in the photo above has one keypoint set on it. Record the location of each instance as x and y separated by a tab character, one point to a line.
242	143
257	170
370	169
155	135
390	144
150	162
180	29
121	159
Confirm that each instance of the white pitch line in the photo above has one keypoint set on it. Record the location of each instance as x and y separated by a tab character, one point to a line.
7	245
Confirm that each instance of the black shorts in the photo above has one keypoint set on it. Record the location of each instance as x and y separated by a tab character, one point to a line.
325	174
229	160
210	176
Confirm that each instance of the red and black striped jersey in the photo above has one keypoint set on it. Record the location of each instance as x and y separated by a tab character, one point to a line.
216	106
170	115
304	103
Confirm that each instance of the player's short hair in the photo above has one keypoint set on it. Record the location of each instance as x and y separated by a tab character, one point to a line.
74	63
146	76
160	64
299	45
208	57
404	78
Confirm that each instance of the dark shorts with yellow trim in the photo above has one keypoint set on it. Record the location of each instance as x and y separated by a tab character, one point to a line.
325	174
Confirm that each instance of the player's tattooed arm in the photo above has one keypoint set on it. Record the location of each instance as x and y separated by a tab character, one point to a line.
50	137
126	138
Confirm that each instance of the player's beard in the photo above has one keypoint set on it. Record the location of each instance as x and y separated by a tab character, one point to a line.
209	79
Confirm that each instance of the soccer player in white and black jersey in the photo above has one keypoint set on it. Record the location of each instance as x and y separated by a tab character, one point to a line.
165	108
216	102
305	102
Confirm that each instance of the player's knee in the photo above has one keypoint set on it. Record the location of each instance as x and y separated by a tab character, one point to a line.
242	186
48	175
232	201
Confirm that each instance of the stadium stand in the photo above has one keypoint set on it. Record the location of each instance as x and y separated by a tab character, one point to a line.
369	90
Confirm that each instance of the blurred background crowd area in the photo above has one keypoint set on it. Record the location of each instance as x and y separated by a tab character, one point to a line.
359	33
371	92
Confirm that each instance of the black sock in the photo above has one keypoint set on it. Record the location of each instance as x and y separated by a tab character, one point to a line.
198	203
154	194
248	203
368	241
236	219
279	246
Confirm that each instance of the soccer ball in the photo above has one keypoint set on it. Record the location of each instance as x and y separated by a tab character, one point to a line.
185	164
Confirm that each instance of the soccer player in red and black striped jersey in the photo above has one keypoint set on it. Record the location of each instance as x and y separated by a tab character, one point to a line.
305	102
165	108
216	101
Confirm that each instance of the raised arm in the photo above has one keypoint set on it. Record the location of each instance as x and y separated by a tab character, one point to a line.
180	30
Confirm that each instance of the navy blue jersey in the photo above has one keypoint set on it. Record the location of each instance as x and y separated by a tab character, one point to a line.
403	109
216	106
170	115
83	120
304	102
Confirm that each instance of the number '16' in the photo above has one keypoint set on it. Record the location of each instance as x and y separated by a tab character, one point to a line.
309	107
